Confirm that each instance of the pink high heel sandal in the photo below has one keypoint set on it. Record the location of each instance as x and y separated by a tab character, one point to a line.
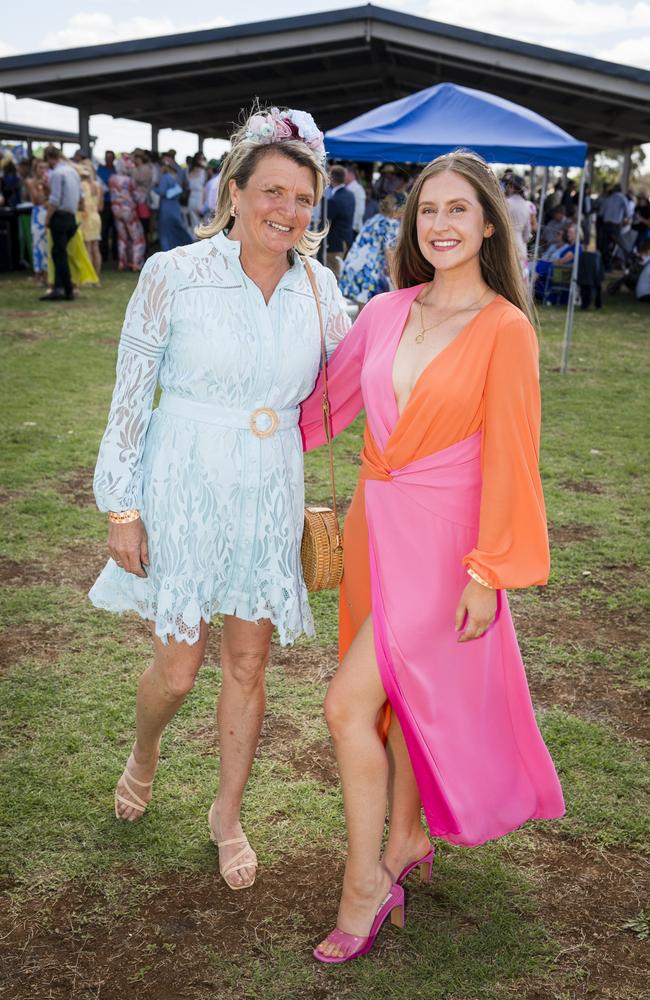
425	864
354	946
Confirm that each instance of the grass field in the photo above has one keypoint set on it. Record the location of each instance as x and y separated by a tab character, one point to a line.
97	909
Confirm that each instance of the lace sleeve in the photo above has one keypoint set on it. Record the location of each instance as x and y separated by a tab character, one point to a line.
145	335
337	322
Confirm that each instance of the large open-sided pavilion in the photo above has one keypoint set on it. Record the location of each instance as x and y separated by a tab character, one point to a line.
337	64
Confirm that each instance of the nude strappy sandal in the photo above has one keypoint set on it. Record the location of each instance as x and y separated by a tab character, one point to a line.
237	863
137	802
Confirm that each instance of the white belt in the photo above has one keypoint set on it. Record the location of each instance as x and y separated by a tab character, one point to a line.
263	422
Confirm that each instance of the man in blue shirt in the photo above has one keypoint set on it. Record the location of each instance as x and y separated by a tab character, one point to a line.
61	218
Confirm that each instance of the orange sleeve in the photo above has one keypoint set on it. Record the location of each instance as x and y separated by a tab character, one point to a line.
512	548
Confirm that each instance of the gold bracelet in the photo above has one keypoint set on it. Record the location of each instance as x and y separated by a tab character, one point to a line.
123	516
479	579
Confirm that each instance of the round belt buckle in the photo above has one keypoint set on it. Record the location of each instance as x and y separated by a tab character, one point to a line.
271	414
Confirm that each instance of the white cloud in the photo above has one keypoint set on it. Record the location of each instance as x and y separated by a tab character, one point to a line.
6	50
575	19
632	52
88	28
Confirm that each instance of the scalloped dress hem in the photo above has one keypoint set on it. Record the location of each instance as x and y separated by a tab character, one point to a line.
182	622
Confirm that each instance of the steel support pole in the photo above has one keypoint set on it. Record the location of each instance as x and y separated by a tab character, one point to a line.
154	139
84	131
570	309
540	223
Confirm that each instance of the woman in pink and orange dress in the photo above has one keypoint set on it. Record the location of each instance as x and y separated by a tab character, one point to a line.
448	513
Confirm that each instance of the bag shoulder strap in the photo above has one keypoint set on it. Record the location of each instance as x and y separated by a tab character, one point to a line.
327	420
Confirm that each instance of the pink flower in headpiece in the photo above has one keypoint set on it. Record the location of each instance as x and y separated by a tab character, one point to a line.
281	129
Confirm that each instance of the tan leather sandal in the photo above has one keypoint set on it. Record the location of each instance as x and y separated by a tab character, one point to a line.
137	802
238	862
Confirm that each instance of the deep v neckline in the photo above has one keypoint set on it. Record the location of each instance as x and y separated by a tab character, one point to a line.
452	343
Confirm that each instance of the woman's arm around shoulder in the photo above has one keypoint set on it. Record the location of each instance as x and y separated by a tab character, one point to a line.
512	549
144	339
343	378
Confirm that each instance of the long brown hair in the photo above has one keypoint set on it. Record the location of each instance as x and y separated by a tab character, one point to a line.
500	267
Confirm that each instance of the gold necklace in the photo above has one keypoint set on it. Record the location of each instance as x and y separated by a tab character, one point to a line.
425	329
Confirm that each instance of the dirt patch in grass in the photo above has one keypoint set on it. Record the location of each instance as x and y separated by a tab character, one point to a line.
314	664
84	945
585	898
6	496
598	695
281	739
25	335
592	625
77	487
26	573
567	534
77	567
584	486
42	643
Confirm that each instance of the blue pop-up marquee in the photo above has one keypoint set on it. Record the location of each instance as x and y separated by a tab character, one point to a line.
418	128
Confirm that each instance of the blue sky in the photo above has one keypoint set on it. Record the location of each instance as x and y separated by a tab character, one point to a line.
617	31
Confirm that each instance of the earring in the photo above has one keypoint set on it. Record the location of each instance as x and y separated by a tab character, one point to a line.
234	212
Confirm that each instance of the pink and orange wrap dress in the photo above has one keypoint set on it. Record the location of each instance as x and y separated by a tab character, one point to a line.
451	483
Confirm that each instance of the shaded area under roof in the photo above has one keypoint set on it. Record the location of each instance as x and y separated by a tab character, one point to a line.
337	64
439	119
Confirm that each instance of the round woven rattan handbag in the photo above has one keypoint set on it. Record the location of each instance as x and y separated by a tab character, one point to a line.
321	551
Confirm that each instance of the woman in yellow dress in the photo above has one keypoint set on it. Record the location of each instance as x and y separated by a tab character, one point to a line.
90	216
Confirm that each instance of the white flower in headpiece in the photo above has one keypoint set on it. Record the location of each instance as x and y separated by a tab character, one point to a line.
305	124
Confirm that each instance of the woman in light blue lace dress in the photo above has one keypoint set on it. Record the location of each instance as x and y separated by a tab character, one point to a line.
205	493
365	270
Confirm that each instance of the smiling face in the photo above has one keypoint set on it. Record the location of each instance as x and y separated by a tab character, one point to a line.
451	225
274	209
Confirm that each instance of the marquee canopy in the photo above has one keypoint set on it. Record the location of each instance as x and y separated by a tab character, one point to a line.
430	122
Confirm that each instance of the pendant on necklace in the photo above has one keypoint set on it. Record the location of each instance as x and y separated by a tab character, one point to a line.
420	338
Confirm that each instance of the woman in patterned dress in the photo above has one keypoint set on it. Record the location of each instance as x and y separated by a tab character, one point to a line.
130	235
38	190
365	269
206	493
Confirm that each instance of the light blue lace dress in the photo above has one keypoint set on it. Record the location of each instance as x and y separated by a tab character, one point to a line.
223	507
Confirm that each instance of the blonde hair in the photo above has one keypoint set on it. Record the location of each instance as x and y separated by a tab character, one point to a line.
240	165
500	266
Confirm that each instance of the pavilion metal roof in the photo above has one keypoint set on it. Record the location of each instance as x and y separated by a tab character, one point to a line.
336	64
34	133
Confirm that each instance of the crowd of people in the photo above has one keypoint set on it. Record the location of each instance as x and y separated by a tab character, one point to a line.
85	213
364	224
135	202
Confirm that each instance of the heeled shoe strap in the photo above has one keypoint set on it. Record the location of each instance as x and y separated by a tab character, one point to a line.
346	942
138	804
136	781
237	863
235	840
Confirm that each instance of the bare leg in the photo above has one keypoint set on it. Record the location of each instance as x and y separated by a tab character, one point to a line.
240	713
353	701
96	258
162	689
407	840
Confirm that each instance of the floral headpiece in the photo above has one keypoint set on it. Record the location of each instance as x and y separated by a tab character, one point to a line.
278	126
